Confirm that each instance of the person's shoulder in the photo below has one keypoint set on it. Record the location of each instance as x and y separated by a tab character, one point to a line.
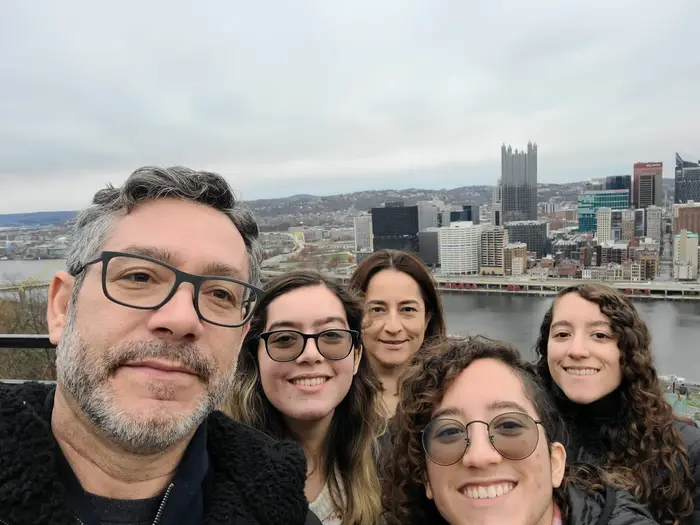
267	475
14	396
613	506
627	510
238	443
690	432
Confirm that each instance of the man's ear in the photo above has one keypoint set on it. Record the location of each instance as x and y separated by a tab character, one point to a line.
60	291
557	455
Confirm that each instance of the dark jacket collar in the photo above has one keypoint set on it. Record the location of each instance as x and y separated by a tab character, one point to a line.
251	477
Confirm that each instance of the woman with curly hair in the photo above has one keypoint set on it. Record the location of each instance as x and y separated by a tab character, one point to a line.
301	375
478	441
595	358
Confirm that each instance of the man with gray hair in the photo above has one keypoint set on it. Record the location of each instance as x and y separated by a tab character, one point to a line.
148	320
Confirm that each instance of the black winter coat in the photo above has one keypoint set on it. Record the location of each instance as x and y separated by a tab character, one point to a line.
254	479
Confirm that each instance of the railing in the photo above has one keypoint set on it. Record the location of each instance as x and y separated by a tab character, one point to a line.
25	342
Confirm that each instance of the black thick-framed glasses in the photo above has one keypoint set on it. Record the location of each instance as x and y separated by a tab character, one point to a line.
513	435
145	283
287	345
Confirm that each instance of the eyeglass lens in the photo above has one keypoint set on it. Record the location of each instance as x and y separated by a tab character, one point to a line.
288	345
146	284
513	435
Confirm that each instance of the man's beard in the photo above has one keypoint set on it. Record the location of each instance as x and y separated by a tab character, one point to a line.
84	372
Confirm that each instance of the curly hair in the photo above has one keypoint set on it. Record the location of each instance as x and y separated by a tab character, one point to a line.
351	445
646	454
424	384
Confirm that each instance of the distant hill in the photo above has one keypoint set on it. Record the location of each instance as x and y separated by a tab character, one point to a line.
41	218
312	206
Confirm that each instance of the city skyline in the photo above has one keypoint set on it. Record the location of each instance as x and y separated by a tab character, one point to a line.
324	99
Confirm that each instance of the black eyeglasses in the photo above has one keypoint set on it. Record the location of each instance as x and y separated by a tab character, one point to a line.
145	283
513	435
287	345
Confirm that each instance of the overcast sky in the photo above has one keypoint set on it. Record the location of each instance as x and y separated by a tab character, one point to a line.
329	96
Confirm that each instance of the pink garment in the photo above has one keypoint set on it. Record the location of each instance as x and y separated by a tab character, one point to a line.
556	516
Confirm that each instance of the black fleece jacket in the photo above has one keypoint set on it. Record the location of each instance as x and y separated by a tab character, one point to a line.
251	478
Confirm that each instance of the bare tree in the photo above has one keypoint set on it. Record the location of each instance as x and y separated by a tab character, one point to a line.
25	313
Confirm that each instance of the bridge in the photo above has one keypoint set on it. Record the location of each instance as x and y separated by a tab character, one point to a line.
669	290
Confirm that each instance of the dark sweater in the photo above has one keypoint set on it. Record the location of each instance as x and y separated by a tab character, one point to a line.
585	425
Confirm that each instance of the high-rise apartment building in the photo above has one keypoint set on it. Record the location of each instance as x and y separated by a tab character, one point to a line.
519	183
648	187
604	225
460	248
493	241
687	181
627	225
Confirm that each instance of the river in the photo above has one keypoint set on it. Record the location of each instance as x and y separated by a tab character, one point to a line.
675	325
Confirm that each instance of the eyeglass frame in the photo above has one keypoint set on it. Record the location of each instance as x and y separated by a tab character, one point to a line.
467	444
354	342
180	278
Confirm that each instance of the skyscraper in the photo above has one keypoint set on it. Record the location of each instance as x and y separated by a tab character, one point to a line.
687	183
519	183
648	184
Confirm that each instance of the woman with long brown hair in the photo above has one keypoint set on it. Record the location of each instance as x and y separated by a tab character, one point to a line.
595	358
301	375
403	311
478	440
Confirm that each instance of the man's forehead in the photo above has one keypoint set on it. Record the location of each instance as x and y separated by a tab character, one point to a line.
193	237
197	263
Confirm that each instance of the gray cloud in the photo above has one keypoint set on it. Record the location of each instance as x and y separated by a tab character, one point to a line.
314	96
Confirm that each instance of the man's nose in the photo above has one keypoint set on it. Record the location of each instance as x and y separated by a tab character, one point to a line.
177	319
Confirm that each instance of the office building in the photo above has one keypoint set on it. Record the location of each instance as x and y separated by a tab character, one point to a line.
363	233
515	258
687	181
519	183
685	256
686	216
429	247
460	248
428	214
654	218
619	182
395	227
533	233
590	201
648	186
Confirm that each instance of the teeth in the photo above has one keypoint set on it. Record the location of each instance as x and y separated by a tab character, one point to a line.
582	371
488	492
310	382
